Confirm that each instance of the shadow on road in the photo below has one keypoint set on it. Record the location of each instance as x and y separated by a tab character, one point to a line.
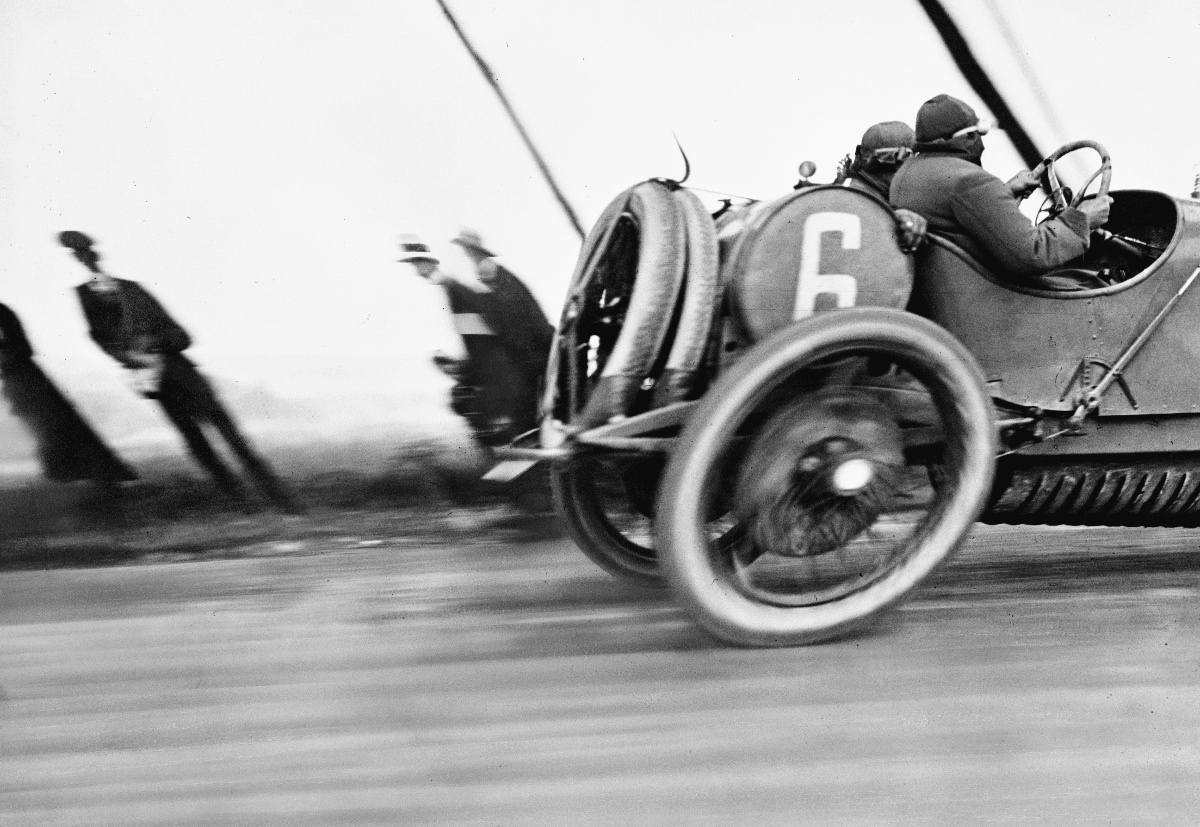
1069	559
79	527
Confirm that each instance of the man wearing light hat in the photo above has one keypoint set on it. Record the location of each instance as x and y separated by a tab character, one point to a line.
467	320
492	392
946	183
510	309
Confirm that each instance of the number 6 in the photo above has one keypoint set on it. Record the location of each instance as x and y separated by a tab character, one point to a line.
811	282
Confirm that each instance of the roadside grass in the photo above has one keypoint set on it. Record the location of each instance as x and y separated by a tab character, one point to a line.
356	494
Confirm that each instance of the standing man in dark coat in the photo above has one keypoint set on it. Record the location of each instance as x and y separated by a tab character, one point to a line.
132	327
510	309
507	341
67	446
946	183
492	391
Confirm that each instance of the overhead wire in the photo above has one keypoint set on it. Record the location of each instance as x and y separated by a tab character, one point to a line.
1031	76
1034	81
979	80
494	82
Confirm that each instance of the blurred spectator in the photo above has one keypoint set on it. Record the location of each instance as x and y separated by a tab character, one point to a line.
507	342
67	446
496	385
132	327
511	310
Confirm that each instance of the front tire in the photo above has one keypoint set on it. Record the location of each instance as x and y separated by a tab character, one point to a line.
749	594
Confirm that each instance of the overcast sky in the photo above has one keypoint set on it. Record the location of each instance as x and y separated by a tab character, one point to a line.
252	162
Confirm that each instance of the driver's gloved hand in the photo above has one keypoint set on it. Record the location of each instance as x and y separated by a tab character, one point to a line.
1022	184
1096	209
910	229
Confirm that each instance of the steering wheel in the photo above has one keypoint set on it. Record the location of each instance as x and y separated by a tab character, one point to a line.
1046	168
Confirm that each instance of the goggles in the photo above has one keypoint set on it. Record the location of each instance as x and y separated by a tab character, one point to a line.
983	128
890	155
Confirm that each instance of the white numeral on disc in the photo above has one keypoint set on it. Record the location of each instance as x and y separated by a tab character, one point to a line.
811	281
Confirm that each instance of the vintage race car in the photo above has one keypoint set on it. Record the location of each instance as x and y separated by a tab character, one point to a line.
792	422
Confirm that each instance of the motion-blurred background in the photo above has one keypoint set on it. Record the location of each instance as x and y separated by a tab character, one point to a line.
252	163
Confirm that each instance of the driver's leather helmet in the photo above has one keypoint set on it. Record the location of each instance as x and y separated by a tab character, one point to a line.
943	115
884	146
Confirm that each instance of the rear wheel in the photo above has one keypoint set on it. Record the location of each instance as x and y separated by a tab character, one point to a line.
606	503
629	339
612	330
827	431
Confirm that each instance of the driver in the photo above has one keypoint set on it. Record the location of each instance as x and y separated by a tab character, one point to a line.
963	202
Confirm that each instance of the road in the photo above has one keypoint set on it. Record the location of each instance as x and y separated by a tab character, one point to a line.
1047	676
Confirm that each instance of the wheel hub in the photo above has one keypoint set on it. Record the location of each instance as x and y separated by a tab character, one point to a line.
817	473
851	476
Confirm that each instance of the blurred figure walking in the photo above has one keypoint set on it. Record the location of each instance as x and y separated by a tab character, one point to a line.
507	341
68	448
511	310
132	327
496	385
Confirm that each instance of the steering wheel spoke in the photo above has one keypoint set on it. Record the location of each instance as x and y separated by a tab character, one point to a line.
1047	172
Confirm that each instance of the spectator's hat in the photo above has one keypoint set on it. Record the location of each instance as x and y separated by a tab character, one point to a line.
942	117
413	249
471	240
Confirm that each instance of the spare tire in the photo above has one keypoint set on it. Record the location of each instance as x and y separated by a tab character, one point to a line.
620	306
681	373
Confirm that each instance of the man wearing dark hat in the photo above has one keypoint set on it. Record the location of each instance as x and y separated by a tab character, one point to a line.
132	327
884	147
883	150
946	183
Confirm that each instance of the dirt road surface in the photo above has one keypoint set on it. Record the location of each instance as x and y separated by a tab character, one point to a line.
1047	676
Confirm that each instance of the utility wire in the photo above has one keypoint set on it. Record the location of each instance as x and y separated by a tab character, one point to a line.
494	82
1031	76
965	59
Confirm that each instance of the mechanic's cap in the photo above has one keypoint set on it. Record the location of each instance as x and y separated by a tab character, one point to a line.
75	240
943	116
887	135
413	249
